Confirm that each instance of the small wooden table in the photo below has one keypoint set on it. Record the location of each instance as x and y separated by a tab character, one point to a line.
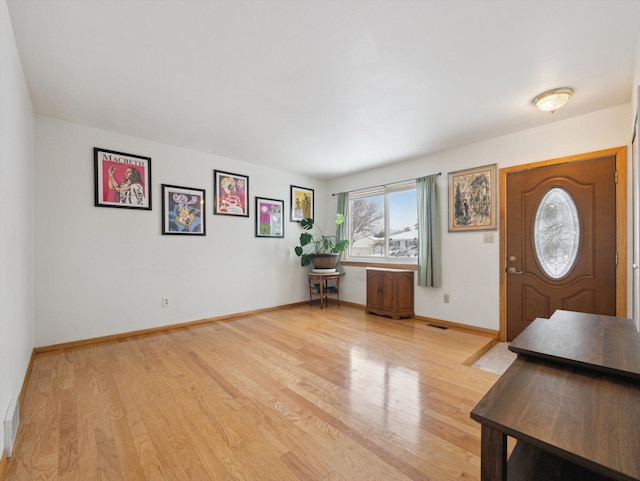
572	404
319	286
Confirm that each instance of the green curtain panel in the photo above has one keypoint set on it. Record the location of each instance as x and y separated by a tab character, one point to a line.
343	208
429	227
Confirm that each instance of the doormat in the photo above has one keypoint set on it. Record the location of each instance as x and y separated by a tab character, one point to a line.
497	359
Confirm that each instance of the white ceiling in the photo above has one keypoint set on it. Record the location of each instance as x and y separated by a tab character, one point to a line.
324	88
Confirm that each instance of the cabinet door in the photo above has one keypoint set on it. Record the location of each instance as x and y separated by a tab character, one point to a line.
404	294
388	295
373	289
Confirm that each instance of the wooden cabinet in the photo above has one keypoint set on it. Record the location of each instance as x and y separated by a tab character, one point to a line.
390	292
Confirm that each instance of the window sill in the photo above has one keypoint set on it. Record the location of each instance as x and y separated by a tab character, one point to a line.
386	265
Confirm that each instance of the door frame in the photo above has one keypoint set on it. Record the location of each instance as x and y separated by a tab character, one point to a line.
620	154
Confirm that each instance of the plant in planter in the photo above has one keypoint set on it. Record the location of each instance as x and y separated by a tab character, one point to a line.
321	250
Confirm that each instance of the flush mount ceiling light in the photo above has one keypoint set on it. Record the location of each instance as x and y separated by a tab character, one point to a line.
553	99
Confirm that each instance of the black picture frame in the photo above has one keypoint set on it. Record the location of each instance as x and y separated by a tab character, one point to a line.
183	211
231	194
122	180
269	217
301	203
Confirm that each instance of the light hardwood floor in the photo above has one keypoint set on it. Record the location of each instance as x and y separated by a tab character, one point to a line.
297	394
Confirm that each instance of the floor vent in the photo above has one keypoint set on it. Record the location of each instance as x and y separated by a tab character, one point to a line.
11	421
438	327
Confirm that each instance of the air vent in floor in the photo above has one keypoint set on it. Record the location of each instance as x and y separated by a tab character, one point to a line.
438	327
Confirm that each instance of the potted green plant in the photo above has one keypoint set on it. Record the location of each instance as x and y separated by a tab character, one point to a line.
323	251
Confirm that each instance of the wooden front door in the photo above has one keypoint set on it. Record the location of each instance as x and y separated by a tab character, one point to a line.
560	241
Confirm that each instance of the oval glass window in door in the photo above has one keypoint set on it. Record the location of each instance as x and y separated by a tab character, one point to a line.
556	233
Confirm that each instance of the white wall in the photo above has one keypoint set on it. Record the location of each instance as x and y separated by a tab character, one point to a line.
16	219
103	271
635	179
470	267
636	78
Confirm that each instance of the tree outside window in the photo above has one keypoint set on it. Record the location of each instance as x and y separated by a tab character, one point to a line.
383	224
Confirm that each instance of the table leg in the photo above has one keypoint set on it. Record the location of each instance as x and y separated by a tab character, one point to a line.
493	455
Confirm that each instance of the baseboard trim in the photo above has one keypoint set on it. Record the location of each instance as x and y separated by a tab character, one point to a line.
25	382
457	325
169	327
21	397
228	317
353	304
493	333
454	325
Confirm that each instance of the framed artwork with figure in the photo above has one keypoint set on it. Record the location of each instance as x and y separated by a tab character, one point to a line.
301	203
472	199
122	180
269	217
182	210
231	194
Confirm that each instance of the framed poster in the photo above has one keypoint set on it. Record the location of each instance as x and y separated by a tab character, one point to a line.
269	217
301	203
231	194
122	180
182	210
472	199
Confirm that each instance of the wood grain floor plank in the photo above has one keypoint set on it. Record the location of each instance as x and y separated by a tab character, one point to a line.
68	460
298	394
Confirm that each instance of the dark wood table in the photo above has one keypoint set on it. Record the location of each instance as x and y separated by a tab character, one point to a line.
602	343
573	420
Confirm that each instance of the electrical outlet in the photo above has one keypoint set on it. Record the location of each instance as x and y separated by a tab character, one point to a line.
446	298
166	302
